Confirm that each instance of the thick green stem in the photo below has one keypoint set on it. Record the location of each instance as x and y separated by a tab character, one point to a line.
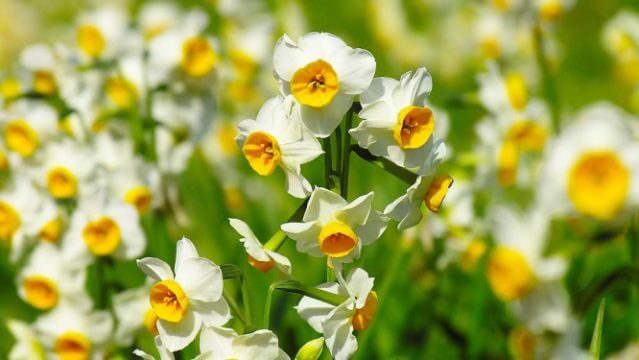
328	162
399	172
277	240
101	283
235	309
346	156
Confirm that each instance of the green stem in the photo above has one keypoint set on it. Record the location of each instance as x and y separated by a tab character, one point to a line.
399	172
277	240
346	156
235	308
328	162
102	285
267	306
548	80
338	148
245	299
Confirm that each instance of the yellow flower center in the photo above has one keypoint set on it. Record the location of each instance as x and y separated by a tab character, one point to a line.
4	161
263	266
169	301
315	84
44	82
598	184
151	321
509	273
154	30
490	47
140	197
226	139
121	92
437	192
337	239
40	292
21	138
551	10
527	135
51	231
61	182
507	163
414	127
10	88
502	5
262	152
363	317
522	344
198	57
90	40
9	221
473	252
73	346
102	236
624	44
517	91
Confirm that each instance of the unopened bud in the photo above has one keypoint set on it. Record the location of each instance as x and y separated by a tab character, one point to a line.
311	350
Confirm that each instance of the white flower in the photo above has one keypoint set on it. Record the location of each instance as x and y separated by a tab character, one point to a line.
396	123
335	228
592	167
187	300
217	343
553	10
620	35
278	138
323	74
27	125
103	227
103	33
67	167
28	345
45	71
337	323
260	257
47	281
69	332
502	94
133	312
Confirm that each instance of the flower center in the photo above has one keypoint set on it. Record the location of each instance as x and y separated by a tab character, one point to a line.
21	138
9	221
61	182
551	10
40	292
72	346
90	40
472	254
169	301
44	82
509	274
527	135
262	152
140	197
598	184
507	163
437	192
337	239
315	84
151	321
502	5
10	88
415	125
198	57
263	266
490	47
102	236
121	92
363	317
51	231
517	91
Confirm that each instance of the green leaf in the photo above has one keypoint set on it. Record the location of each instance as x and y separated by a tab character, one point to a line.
230	271
595	343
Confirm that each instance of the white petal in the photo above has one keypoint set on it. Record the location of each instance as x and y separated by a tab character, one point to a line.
296	183
305	235
355	71
216	313
200	279
338	331
177	336
356	212
282	262
322	205
262	344
251	243
322	121
373	229
413	88
315	311
155	268
287	58
380	88
360	284
218	341
185	250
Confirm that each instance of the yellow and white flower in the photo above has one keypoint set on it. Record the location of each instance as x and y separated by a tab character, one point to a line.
278	138
102	226
43	67
334	228
46	281
396	123
28	345
592	167
620	38
553	10
224	343
125	88
337	323
501	94
71	333
103	33
259	256
27	125
133	312
157	17
67	168
186	301
324	75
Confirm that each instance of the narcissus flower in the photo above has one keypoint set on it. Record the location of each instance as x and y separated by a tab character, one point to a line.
337	323
67	166
278	138
187	300
44	67
223	343
324	75
334	228
396	123
592	168
28	345
102	33
26	125
133	313
502	93
259	256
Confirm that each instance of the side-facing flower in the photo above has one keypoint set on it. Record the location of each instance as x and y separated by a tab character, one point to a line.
187	300
133	312
259	256
278	138
337	323
396	123
223	343
323	74
335	228
26	125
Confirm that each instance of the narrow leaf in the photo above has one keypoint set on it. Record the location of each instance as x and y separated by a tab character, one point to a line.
595	343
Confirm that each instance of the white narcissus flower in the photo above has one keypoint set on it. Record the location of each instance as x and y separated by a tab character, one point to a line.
553	10
28	345
259	256
27	125
592	167
186	301
41	62
335	228
70	333
620	36
324	75
46	281
430	190
217	343
278	138
102	33
337	323
66	169
133	312
103	227
396	123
